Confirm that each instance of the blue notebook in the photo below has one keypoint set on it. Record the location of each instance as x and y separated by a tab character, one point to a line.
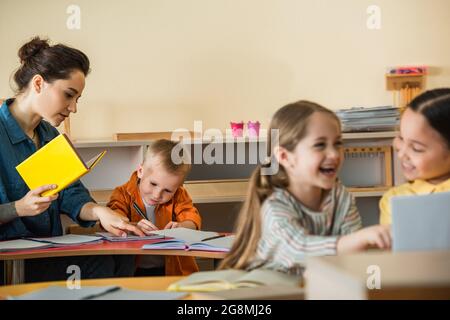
97	293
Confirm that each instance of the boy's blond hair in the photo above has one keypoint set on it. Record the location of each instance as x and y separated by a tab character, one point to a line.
162	148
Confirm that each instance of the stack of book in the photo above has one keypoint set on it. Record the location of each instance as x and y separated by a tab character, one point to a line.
359	119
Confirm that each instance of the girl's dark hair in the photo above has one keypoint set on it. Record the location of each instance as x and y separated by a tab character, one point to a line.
51	62
435	107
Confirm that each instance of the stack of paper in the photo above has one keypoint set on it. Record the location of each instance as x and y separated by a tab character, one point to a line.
51	242
110	237
369	119
68	240
188	239
22	244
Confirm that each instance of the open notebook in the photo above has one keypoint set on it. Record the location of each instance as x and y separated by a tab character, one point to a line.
50	242
232	279
96	293
188	239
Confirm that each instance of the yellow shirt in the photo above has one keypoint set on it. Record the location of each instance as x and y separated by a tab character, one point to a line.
411	188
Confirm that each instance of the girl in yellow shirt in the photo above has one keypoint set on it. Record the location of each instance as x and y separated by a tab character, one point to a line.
423	147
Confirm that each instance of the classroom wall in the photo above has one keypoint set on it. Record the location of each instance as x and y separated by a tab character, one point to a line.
158	65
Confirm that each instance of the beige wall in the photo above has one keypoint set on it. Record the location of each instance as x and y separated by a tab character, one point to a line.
158	65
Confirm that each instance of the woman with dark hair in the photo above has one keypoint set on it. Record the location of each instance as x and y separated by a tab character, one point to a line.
49	83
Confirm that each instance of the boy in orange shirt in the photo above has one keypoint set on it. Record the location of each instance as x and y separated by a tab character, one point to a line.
156	189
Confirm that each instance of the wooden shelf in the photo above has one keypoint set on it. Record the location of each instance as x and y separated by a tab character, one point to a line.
368	192
195	137
399	81
216	191
148	136
369	135
107	143
222	191
397	75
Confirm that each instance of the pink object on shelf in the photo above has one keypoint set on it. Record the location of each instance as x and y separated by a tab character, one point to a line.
237	129
253	129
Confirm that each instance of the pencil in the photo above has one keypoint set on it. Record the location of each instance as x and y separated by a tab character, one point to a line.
215	237
139	211
96	295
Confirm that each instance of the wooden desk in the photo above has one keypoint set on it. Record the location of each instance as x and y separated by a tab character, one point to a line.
403	275
161	284
138	283
13	261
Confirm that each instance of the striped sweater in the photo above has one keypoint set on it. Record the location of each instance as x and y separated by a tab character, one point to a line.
290	231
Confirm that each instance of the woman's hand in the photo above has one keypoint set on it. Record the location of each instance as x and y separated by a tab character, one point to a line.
115	223
146	226
33	204
378	236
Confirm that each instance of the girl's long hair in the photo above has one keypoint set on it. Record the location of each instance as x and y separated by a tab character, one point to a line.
291	122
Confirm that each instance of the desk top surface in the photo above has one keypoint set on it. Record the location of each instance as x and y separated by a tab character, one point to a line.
397	268
105	248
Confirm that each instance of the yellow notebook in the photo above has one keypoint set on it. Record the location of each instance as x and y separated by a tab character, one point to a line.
58	163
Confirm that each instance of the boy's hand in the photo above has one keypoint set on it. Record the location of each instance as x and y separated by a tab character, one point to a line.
33	204
172	225
146	226
116	223
183	224
376	236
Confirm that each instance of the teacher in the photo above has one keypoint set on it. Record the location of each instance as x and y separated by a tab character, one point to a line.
49	81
